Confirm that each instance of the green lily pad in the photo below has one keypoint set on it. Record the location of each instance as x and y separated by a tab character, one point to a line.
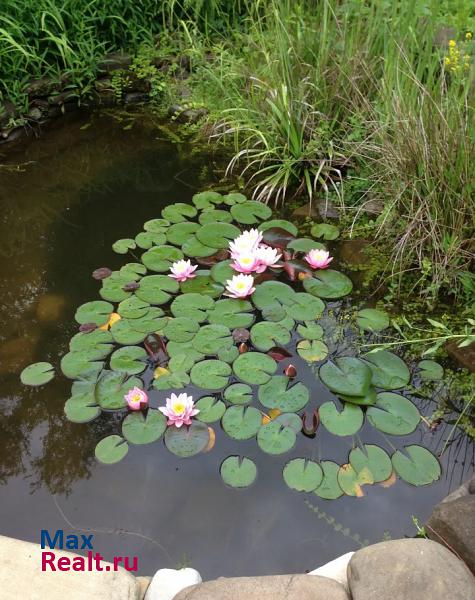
111	449
215	216
210	374
347	375
37	374
112	387
328	284
305	245
265	335
310	331
181	363
187	441
129	360
374	459
346	422
113	287
211	409
140	429
393	414
329	489
124	332
147	239
217	235
420	467
157	225
178	212
281	393
429	370
228	355
367	400
193	306
325	231
195	249
97	312
254	368
124	245
371	319
389	371
211	339
281	224
234	198
131	271
133	308
290	420
241	422
177	348
238	393
238	472
202	284
351	480
312	350
181	329
302	475
172	381
272	294
81	408
222	271
275	438
250	212
161	258
179	233
157	289
92	339
232	313
204	200
304	307
82	363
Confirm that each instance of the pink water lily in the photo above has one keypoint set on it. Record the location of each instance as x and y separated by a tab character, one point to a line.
181	270
240	286
136	399
246	262
268	257
246	243
179	409
318	259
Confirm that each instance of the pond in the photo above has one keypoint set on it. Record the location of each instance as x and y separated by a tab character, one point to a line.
80	187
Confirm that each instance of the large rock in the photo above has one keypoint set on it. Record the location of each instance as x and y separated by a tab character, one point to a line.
335	569
21	577
167	583
411	569
453	524
278	587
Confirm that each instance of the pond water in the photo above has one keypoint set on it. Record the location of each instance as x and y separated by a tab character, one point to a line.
81	186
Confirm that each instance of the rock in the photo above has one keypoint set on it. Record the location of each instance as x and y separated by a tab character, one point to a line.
278	587
62	97
471	486
35	114
307	210
335	569
462	490
373	207
143	585
184	114
114	61
40	88
327	209
453	524
166	583
465	357
409	569
21	577
353	252
136	98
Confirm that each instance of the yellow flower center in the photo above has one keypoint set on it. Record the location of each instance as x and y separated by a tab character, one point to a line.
136	398
240	285
179	408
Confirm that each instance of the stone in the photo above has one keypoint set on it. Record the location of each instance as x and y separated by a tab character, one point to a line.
471	486
465	356
335	569
136	98
21	577
409	569
353	252
143	585
453	524
278	587
462	490
166	583
114	61
307	210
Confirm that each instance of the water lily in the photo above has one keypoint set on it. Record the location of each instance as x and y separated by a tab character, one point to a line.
247	242
179	409
268	257
246	262
136	399
240	286
318	259
181	270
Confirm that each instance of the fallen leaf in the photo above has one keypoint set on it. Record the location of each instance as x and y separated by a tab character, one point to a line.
114	317
391	480
212	440
160	372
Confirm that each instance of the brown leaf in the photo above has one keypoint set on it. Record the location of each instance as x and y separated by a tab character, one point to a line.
87	327
212	440
391	480
101	273
278	353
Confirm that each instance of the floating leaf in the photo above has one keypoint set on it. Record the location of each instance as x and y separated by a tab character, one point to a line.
312	350
429	370
297	269
351	481
305	245
211	339
133	308
279	353
172	381
157	225
194	306
238	393
157	289
265	335
254	368
97	312
371	319
367	400
195	249
420	467
112	387
187	441
124	332
86	341
325	231
272	294
393	414
181	329
232	313
275	438
178	212
310	331
222	271
101	273
347	422
179	233
181	363
161	258
111	449
140	429
238	472
217	235
280	393
210	408
82	363
304	307
147	239
389	371
234	198
276	237
290	420
113	288
215	216
302	475
210	374
329	489
250	212
328	284
37	374
204	200
124	245
129	360
347	375
281	224
176	348
374	459
202	284
241	422
228	355
81	408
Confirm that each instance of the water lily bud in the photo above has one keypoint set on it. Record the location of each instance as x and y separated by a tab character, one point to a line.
310	425
290	371
243	348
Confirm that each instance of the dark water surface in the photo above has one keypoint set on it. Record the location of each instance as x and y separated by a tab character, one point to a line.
82	186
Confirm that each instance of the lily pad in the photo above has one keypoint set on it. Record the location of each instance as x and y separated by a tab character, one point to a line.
272	294
310	331
178	233
325	231
312	350
250	212
371	319
275	438
124	332
133	308
228	355
290	420
181	329
329	489
346	422
147	239
217	235
194	306
393	414
114	288
178	212
241	422
302	475
157	225
347	375
232	313
124	245
429	370
281	223
97	312
281	393
204	200
238	472
211	409
234	198
37	374
187	441
157	289
111	449
181	363
82	363
92	339
254	368
172	381
140	429
389	371
202	284
195	249
328	284
374	459
112	387
351	480
129	360
367	400
211	339
419	467
304	307
215	216
161	258
305	245
177	348
238	393
81	408
222	271
265	335
210	374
